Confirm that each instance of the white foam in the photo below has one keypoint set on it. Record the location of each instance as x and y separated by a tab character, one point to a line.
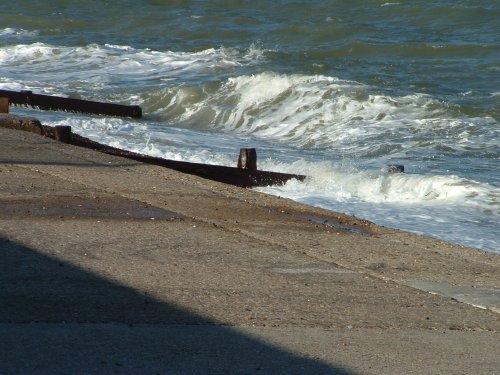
10	84
448	207
13	32
105	65
169	143
347	182
322	112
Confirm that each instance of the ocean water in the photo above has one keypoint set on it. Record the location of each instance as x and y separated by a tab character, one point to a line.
334	90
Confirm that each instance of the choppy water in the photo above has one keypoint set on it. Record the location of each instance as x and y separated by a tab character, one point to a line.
331	89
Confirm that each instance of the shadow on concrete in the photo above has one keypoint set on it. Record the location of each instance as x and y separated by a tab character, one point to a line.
58	318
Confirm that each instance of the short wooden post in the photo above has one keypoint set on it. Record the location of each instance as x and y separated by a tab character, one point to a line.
395	168
63	133
248	159
4	105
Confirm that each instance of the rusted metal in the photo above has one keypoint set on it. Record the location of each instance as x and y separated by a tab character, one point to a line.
56	103
4	104
248	159
62	133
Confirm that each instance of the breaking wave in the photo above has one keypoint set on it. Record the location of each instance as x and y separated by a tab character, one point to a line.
322	112
96	67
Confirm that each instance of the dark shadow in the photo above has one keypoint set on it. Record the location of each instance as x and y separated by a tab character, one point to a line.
58	318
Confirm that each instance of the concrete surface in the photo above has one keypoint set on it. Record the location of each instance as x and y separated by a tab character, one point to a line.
112	266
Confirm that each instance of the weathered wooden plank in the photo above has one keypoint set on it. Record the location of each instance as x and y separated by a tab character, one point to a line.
56	103
4	104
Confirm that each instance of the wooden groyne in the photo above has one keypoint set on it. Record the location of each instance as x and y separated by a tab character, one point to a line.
57	103
245	175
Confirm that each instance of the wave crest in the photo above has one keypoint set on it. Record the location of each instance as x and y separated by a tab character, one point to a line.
319	112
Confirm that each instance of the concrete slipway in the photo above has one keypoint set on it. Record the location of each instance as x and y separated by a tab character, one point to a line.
112	266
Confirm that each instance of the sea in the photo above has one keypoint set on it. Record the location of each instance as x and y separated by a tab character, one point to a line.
335	90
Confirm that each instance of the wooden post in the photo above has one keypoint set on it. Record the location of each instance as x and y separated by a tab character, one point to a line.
248	159
63	133
4	105
395	168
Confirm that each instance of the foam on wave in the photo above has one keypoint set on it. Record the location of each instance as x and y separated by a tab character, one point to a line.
320	112
13	32
99	65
